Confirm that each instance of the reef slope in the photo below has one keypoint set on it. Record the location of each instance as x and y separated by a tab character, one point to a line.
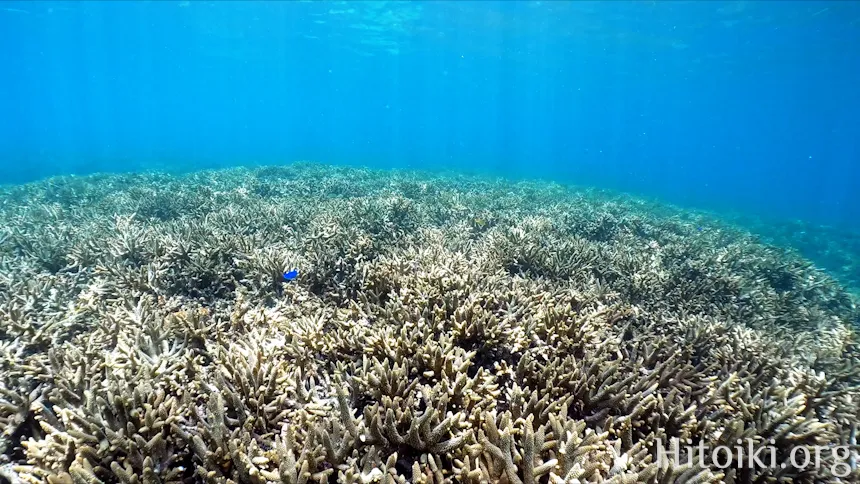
441	329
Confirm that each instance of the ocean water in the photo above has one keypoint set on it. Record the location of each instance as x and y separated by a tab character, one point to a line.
747	106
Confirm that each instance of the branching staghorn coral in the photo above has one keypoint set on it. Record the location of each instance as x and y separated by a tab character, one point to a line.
441	329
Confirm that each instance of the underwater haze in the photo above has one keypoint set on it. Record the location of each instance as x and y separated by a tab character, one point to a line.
744	106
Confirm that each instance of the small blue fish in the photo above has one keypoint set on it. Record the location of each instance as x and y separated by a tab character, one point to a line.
289	276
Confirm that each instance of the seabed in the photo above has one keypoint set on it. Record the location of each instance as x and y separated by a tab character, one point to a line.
441	329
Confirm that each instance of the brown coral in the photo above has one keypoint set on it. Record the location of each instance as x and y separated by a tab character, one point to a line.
441	330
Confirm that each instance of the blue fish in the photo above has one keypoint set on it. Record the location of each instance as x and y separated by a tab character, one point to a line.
289	276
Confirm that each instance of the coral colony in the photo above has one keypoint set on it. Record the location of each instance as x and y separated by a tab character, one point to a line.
443	329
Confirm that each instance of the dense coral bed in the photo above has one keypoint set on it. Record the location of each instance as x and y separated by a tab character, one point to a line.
834	249
441	329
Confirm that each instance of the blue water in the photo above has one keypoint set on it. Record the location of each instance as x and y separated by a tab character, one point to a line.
749	106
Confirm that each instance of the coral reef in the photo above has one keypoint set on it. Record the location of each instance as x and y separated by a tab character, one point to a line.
441	329
835	249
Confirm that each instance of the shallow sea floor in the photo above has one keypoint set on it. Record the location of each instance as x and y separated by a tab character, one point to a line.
441	329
